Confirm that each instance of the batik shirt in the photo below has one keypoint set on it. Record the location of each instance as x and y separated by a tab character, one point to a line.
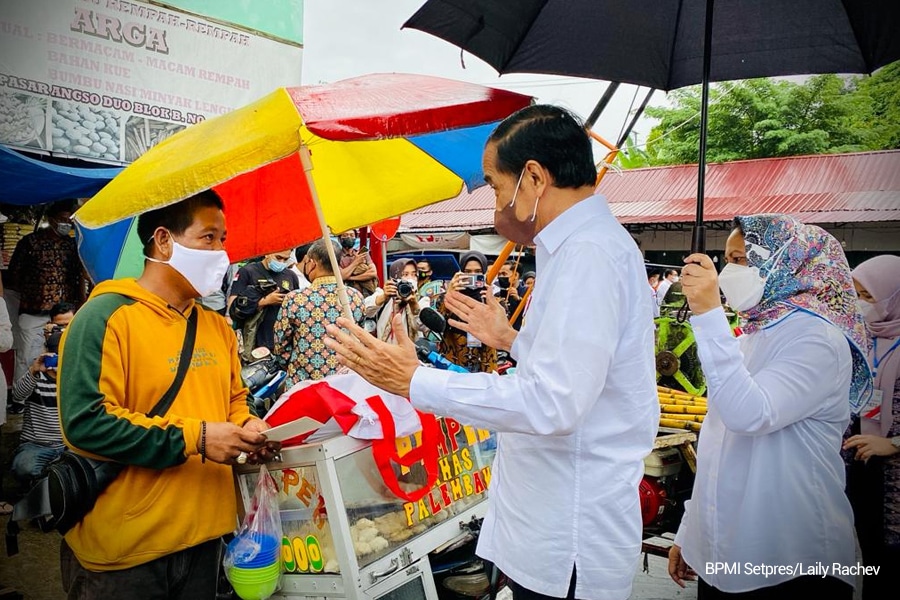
45	269
300	329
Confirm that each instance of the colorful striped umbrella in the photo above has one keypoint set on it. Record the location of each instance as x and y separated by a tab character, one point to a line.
381	145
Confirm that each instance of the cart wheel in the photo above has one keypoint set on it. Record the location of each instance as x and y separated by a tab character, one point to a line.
676	356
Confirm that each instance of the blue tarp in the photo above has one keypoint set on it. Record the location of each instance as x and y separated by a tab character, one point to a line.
26	181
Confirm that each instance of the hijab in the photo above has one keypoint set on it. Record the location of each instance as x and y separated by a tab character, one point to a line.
396	272
474	255
396	269
805	269
881	278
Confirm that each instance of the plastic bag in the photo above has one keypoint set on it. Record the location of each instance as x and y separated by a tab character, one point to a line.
253	558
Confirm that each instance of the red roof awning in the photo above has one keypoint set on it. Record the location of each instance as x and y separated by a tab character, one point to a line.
828	188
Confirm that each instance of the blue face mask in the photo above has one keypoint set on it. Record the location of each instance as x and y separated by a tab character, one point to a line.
276	266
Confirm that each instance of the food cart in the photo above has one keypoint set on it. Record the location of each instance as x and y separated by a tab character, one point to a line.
346	535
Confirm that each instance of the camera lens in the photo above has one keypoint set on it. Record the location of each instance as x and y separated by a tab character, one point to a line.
405	289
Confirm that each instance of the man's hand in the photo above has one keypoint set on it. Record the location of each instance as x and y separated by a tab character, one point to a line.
269	450
487	321
679	570
273	299
700	284
358	258
225	441
868	446
38	365
388	366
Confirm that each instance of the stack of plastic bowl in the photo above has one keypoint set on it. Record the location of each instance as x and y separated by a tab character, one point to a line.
256	567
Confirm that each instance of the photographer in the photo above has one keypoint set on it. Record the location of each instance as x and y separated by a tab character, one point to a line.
256	296
398	296
41	440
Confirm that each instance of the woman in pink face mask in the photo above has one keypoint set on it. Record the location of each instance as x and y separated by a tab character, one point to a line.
874	481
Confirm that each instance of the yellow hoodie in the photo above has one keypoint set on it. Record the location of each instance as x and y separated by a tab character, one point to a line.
117	358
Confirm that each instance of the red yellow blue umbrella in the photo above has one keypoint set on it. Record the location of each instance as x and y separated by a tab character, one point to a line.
380	145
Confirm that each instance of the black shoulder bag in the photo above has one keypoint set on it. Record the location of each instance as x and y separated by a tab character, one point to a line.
74	482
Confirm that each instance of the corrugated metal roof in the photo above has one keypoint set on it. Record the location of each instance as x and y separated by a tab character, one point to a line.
829	188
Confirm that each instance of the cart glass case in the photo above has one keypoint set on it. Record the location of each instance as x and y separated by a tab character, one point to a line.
347	535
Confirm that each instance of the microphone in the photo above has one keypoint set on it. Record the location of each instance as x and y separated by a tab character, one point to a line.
433	320
426	354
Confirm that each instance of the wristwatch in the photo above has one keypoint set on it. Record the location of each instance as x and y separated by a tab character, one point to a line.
895	442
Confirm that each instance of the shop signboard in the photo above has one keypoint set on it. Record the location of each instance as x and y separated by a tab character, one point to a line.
105	80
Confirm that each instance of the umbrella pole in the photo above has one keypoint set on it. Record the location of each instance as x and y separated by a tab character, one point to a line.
332	257
601	105
698	233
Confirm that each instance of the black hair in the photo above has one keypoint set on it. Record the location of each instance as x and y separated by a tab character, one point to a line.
61	308
736	224
512	265
552	136
175	217
668	272
61	206
318	251
301	250
423	260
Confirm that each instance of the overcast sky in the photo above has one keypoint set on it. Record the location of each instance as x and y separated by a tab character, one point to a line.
347	38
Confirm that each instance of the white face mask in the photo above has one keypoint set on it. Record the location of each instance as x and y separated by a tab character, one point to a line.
871	311
204	269
743	287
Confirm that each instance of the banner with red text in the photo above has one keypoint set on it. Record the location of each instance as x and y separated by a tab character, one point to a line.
105	80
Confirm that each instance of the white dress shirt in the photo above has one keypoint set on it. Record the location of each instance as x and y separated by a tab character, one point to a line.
304	282
576	419
769	488
662	290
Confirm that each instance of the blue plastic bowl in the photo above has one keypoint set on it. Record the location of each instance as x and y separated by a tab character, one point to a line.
254	550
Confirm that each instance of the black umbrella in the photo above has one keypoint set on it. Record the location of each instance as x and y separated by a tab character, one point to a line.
667	44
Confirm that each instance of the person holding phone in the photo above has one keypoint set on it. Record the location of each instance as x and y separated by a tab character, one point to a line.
41	439
357	269
456	345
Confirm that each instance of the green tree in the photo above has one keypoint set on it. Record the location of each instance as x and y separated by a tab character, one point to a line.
762	118
632	156
879	107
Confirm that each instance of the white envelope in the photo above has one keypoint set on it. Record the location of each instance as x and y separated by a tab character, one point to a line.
291	429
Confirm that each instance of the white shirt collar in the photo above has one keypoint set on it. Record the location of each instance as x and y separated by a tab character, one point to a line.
556	231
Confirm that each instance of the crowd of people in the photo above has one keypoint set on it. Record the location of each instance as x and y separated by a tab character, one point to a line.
797	458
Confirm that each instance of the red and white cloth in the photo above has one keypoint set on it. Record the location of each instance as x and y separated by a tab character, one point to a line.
348	404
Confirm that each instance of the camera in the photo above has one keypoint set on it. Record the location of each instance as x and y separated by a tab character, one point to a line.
404	288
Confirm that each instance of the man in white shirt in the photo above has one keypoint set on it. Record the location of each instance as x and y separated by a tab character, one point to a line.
670	276
297	266
580	414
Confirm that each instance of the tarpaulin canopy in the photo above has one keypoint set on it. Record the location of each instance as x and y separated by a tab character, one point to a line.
27	181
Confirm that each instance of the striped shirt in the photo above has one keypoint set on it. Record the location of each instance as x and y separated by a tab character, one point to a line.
41	420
